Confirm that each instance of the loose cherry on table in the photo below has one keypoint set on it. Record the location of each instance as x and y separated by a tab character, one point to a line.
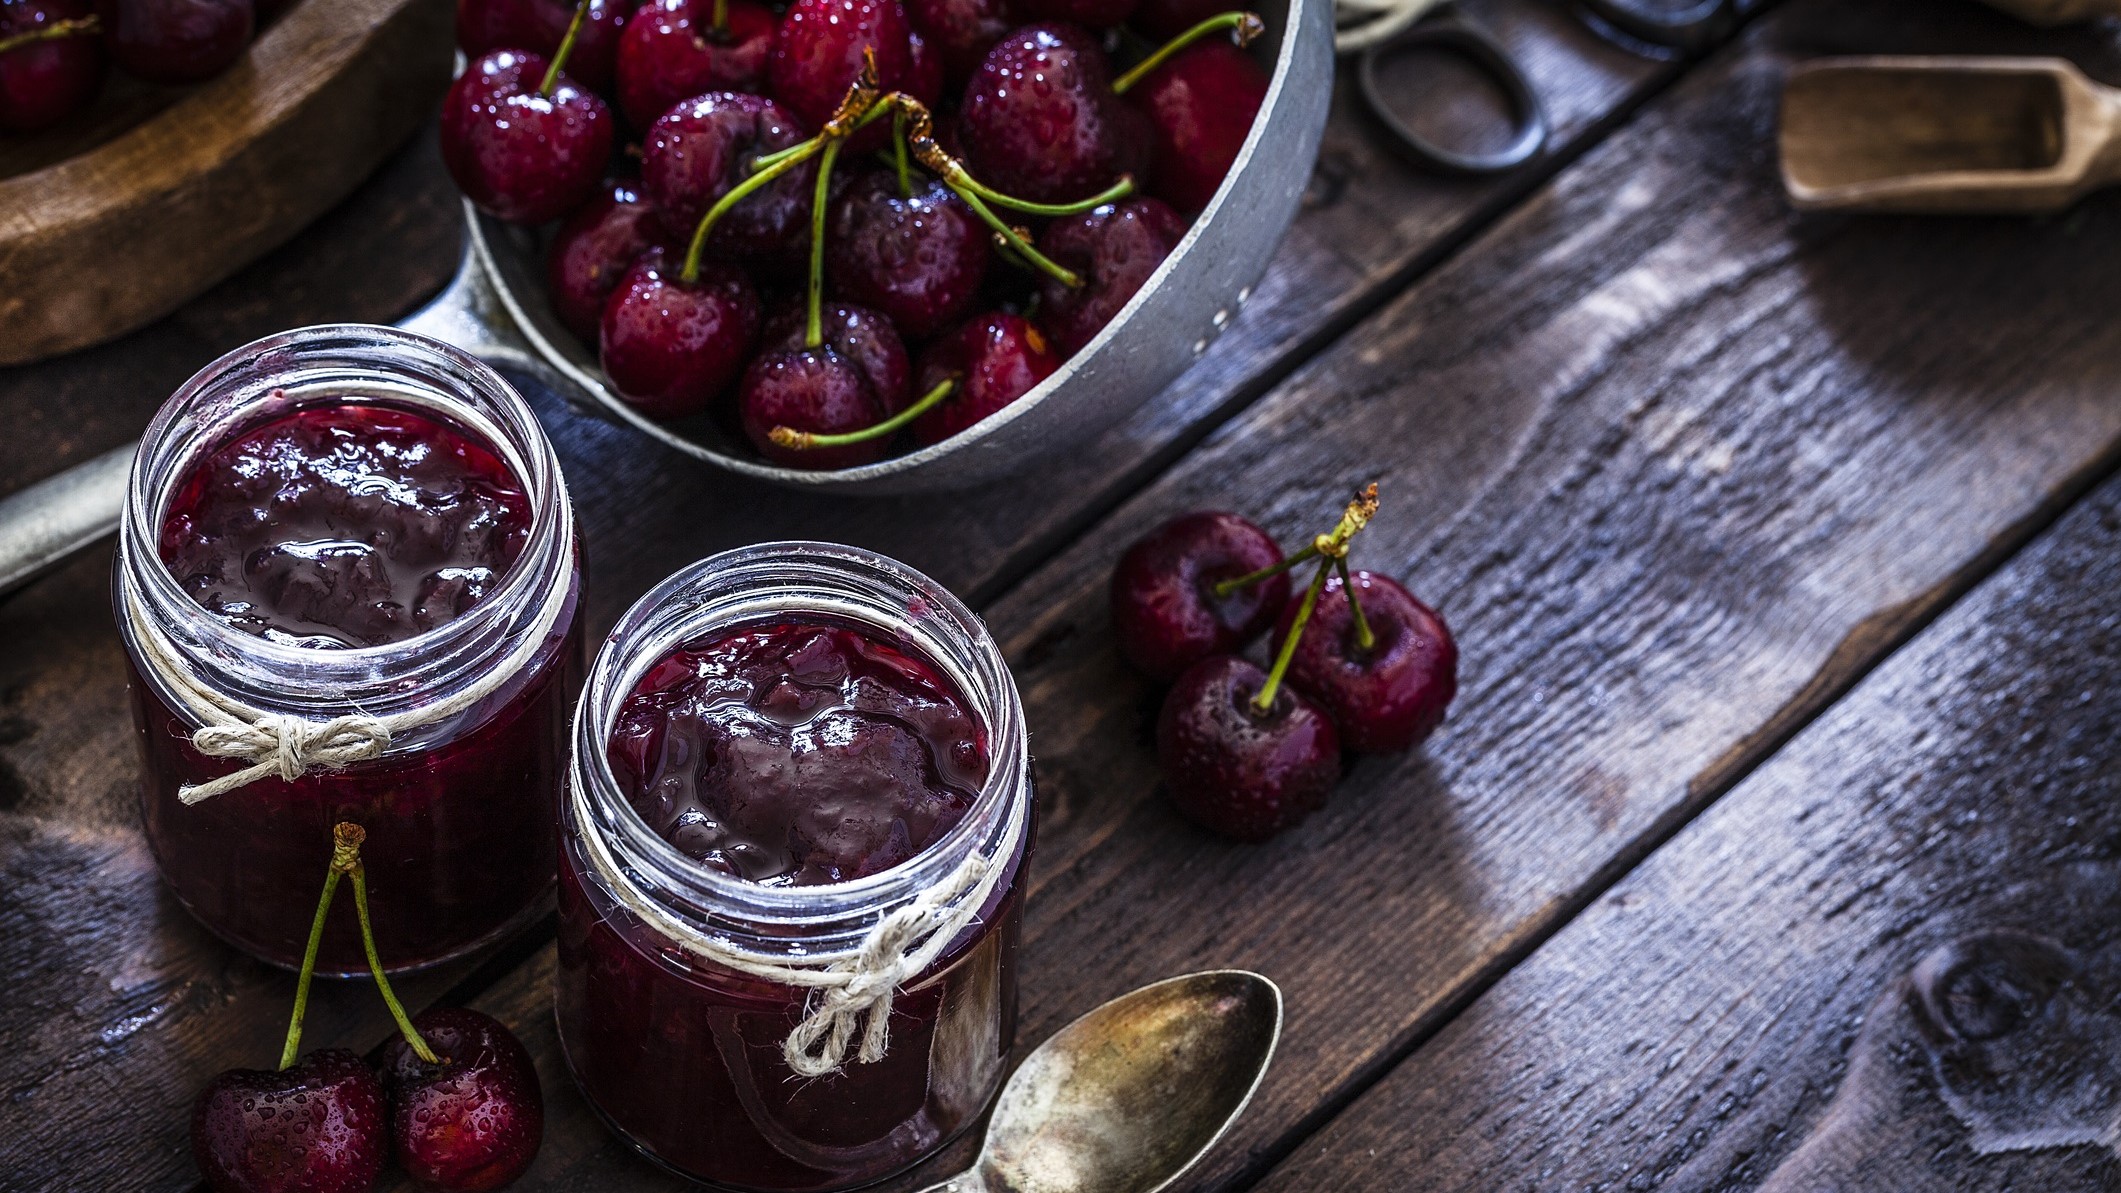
175	41
1385	667
697	153
593	251
1112	249
51	61
540	27
1178	596
919	258
994	359
675	49
1239	765
471	1119
1199	98
524	142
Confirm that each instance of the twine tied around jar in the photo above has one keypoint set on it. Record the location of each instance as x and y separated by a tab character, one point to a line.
851	991
288	747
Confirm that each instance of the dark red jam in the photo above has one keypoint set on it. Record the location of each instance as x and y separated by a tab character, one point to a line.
797	754
340	526
787	755
350	526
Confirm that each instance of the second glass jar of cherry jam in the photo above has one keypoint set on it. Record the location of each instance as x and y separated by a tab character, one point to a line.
351	527
779	749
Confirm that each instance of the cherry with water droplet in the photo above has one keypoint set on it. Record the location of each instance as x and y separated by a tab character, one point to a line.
676	49
1168	611
175	41
961	31
540	27
1237	766
1199	102
994	359
524	142
321	1126
472	1120
918	258
671	345
593	251
820	50
699	152
1040	119
51	61
1385	679
1112	249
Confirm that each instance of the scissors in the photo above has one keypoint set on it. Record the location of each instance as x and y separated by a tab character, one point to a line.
1376	30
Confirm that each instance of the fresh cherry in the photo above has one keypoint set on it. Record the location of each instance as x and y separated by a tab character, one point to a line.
1166	611
700	150
1386	696
676	49
1040	120
594	249
1200	104
51	62
863	336
1097	14
472	1122
994	358
522	140
1113	249
809	390
671	346
819	53
321	1126
960	31
1239	769
540	26
175	41
917	258
924	70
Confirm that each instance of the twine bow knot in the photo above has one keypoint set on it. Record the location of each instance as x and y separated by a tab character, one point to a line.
286	746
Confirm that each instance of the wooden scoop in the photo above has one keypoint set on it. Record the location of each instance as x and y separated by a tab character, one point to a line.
1963	135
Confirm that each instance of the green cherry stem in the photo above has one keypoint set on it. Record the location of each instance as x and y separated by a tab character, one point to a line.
1263	703
1223	588
340	850
1016	239
898	153
719	29
796	156
87	26
347	860
961	180
559	56
1364	638
793	439
814	325
1244	28
920	133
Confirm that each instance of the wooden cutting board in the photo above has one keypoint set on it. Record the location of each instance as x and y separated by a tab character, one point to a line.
132	208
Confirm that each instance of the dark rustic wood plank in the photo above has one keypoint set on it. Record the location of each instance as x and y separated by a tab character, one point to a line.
1688	1031
1678	466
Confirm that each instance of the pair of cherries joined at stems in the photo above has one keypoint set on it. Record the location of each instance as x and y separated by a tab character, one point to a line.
743	116
53	52
1359	663
458	1097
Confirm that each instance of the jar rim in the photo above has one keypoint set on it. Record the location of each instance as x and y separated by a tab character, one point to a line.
374	365
683	607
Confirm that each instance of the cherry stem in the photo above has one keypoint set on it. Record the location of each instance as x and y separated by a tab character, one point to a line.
1244	28
559	57
340	847
1017	239
1223	588
796	156
86	26
789	437
898	153
1363	637
720	27
1263	703
347	860
961	179
814	328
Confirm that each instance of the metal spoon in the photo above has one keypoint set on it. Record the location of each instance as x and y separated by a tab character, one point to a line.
1128	1097
1947	135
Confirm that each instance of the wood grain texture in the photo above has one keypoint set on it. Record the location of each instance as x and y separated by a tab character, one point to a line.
1679	468
1688	1031
122	234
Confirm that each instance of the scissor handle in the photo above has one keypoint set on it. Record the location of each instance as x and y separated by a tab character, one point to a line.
1478	47
1688	29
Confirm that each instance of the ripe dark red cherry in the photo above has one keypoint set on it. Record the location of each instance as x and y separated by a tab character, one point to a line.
175	41
317	1127
809	389
672	51
1113	249
46	81
863	336
1200	106
1391	696
1040	121
817	55
924	70
473	1122
539	26
519	155
592	252
960	31
670	348
995	358
1238	771
919	259
696	152
1165	613
1097	14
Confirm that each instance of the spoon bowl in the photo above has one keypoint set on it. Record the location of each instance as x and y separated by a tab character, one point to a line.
1128	1097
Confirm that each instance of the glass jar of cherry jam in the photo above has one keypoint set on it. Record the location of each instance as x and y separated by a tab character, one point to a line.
778	748
353	521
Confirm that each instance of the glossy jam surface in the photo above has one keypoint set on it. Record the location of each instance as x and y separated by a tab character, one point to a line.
344	526
796	754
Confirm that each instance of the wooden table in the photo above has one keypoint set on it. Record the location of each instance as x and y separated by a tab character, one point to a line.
1784	554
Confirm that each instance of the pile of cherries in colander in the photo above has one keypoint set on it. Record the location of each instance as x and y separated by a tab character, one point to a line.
848	226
